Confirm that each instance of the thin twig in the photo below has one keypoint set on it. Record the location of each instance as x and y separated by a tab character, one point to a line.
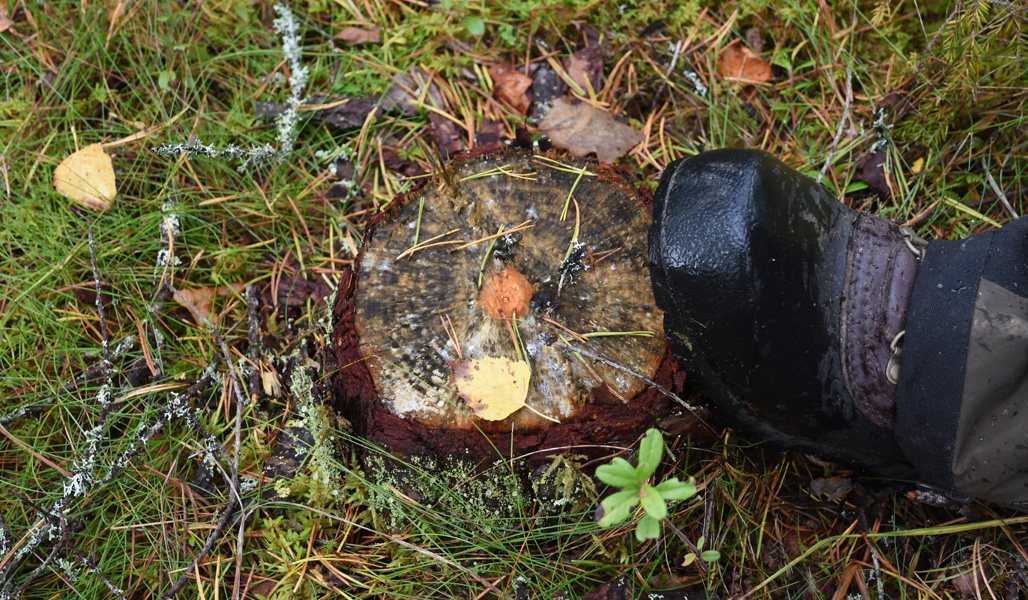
236	389
254	336
84	379
842	125
874	556
75	486
178	407
17	592
94	569
998	190
100	308
227	511
239	556
85	467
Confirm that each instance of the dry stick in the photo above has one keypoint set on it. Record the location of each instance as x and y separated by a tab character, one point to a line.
47	517
254	354
86	378
127	456
624	369
17	592
842	124
229	510
254	335
104	396
100	310
874	556
240	406
239	554
236	388
699	562
93	568
403	543
85	472
165	415
5	536
126	345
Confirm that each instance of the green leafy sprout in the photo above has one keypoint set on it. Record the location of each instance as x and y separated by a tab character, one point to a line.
636	490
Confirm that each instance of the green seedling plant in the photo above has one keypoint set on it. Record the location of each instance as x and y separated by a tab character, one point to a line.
637	490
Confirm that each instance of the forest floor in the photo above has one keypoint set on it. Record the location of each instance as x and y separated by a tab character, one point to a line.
160	370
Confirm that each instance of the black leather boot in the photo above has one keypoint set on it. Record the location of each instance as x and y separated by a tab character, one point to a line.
784	304
834	332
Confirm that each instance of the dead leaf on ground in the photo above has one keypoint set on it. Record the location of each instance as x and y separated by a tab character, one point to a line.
871	170
585	67
494	387
510	86
755	39
87	178
445	134
203	298
489	133
738	63
834	487
342	112
581	129
355	36
5	23
404	95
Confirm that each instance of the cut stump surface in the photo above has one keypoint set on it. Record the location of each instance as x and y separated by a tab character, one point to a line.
500	268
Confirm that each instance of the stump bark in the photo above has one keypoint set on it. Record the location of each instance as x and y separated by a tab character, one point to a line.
532	262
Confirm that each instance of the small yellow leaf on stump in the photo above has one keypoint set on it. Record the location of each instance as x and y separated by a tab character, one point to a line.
87	178
494	387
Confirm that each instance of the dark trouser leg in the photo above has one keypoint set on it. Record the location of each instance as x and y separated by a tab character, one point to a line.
962	411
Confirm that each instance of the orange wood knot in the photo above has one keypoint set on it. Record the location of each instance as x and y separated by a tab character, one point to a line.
506	293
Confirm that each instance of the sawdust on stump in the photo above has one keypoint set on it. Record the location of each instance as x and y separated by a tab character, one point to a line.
435	290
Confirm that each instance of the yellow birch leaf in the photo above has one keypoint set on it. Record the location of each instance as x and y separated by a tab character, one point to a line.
87	178
494	387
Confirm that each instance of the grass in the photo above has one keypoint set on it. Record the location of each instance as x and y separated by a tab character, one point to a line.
938	88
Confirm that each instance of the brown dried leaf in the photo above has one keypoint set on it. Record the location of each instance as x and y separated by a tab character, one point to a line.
739	63
87	178
585	67
355	36
755	39
445	134
510	86
834	487
490	132
494	387
581	129
203	297
5	23
871	170
342	112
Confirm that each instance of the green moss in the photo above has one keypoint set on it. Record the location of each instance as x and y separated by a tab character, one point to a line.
450	486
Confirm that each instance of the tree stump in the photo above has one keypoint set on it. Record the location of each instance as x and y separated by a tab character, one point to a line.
510	283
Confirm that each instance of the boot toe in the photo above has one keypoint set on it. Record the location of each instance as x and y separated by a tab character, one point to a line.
749	260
